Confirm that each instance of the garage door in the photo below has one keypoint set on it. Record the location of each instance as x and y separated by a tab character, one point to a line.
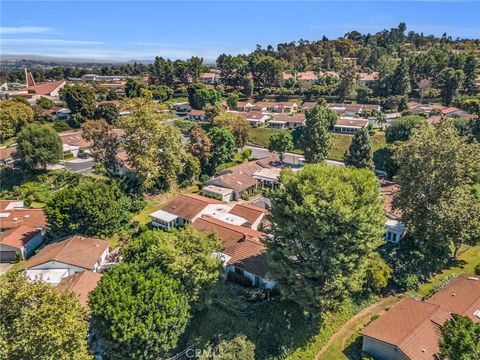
7	256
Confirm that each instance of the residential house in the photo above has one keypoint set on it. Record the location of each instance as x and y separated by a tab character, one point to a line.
351	110
394	228
410	330
287	121
21	230
244	106
217	192
82	284
243	251
182	108
255	118
7	155
349	126
367	78
276	107
196	115
66	257
305	76
240	178
212	77
253	214
184	209
268	177
308	105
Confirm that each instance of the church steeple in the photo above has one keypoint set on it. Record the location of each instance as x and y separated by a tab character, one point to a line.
29	78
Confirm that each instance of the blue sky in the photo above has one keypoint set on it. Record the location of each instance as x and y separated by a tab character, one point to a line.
122	30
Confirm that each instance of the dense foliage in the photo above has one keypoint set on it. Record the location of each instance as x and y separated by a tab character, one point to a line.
40	322
459	339
326	224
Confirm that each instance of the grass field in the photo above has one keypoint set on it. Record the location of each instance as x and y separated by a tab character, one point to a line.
340	143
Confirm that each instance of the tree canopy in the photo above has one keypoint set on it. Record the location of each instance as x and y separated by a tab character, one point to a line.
360	154
138	312
401	129
280	143
437	169
459	339
38	146
40	322
92	208
223	146
316	140
237	125
14	115
326	225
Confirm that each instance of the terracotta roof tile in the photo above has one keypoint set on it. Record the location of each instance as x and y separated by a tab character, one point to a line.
19	236
45	88
249	212
188	206
82	284
76	250
14	218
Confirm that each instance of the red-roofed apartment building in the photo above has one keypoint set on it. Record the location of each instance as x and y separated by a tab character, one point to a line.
409	331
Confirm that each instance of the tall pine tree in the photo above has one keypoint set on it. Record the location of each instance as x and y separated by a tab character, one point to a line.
360	154
316	140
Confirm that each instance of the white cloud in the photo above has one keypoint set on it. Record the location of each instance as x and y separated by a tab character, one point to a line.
47	42
25	29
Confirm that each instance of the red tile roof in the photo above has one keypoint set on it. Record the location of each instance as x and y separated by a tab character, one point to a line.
195	112
18	237
243	245
368	77
14	218
45	88
76	250
249	212
298	118
360	123
82	284
412	326
188	206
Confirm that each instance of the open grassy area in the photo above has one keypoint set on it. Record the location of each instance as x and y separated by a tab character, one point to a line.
465	264
340	143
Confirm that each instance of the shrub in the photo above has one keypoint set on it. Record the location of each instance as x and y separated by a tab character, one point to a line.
477	269
239	279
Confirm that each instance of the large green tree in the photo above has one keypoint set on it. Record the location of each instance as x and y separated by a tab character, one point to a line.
162	72
199	95
200	145
360	154
109	112
104	143
459	339
238	348
39	322
80	100
184	254
138	312
437	168
326	224
237	125
92	208
14	115
155	149
316	139
280	143
223	146
451	83
38	146
401	129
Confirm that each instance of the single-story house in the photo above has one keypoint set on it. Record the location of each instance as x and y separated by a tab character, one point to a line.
182	107
82	284
243	253
184	209
240	178
278	107
352	109
268	177
255	118
217	192
367	78
7	155
253	214
66	257
349	126
19	243
287	121
196	115
308	105
212	77
305	76
244	106
410	330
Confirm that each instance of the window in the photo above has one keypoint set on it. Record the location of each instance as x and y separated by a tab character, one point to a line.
238	271
394	239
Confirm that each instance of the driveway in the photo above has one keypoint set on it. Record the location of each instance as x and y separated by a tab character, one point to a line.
4	268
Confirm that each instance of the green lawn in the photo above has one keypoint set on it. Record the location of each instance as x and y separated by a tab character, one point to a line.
340	143
464	265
